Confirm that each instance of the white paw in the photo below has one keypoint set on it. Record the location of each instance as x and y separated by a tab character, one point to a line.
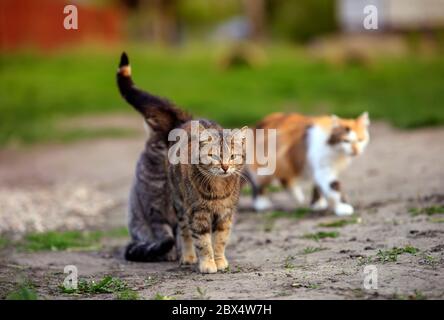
343	209
262	203
297	194
320	205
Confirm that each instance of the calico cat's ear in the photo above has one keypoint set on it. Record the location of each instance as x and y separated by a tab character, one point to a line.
335	121
364	119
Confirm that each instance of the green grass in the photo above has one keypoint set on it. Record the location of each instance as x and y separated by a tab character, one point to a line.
202	293
338	223
38	90
391	255
427	210
64	240
321	235
416	295
436	220
159	296
107	284
23	292
128	294
288	264
4	242
310	250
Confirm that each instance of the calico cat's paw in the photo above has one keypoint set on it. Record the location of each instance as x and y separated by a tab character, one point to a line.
320	205
207	266
188	259
221	263
343	209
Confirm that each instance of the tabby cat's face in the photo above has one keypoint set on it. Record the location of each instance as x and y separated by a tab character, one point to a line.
224	156
351	136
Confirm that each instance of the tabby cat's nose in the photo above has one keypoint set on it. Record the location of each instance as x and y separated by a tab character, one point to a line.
224	167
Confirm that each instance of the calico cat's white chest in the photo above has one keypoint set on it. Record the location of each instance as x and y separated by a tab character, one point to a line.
321	155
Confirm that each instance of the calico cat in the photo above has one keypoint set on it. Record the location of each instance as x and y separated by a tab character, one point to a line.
200	198
314	148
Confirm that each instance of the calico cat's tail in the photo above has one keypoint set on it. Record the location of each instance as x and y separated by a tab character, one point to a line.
159	113
149	251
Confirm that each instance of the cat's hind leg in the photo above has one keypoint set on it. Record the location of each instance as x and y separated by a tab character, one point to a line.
188	254
260	200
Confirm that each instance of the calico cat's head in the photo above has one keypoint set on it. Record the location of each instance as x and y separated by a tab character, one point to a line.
222	152
350	136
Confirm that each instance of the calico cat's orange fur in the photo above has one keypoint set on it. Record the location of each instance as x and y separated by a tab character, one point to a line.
316	148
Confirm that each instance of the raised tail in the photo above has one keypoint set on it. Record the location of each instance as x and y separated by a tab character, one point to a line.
149	251
159	113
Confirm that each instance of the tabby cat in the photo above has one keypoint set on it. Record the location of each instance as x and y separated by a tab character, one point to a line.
199	198
313	148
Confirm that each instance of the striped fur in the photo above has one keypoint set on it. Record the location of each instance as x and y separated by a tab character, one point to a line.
199	198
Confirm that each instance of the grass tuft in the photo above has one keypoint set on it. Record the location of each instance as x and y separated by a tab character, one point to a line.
321	235
338	223
24	292
310	250
127	294
159	296
107	284
427	210
64	240
392	254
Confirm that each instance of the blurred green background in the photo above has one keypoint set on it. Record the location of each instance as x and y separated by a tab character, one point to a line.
232	61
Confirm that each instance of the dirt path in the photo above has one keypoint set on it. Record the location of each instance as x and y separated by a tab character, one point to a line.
86	184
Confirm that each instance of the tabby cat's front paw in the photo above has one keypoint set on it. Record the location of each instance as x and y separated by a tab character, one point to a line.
343	209
221	263
188	259
207	266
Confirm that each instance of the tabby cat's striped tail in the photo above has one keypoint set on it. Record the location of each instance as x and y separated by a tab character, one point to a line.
159	113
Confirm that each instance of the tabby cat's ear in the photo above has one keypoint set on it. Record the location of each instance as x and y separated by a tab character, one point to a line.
241	133
364	119
203	134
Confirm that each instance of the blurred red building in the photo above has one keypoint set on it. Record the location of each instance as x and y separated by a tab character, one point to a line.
39	23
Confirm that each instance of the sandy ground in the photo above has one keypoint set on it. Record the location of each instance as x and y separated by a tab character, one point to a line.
85	185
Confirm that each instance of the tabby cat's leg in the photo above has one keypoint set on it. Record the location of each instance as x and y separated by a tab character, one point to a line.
221	233
330	187
188	252
318	201
201	232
